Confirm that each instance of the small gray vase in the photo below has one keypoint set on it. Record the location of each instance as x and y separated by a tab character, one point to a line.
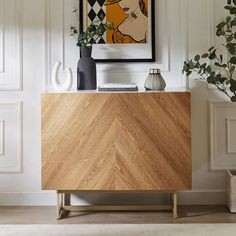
155	81
86	70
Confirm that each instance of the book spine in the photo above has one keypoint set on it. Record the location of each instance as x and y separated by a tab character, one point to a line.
117	89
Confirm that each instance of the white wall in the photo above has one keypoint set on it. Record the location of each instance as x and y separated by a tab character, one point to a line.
34	34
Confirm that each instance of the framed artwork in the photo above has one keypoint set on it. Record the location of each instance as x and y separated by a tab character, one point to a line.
133	36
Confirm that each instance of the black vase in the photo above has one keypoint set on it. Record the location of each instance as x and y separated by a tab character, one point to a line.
86	70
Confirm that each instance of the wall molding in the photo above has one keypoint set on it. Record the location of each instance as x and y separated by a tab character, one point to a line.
19	44
215	156
231	149
2	36
49	40
12	164
183	13
212	40
211	6
184	16
211	30
2	137
11	80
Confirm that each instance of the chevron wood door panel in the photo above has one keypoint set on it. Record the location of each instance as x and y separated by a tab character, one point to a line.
78	141
153	149
119	141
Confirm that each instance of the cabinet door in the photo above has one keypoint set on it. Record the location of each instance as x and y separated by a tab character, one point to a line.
78	141
123	141
153	144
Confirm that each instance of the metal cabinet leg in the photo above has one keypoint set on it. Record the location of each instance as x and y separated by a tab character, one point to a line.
60	204
174	202
64	206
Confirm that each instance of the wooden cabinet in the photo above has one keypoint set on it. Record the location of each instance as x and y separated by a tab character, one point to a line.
116	141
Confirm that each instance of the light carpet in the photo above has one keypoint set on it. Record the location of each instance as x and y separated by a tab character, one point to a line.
120	230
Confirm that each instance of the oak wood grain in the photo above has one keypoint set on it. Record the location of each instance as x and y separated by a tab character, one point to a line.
116	141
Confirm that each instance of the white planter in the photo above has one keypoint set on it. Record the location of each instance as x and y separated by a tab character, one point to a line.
231	191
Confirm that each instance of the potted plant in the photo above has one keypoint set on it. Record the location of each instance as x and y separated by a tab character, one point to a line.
86	68
231	191
218	70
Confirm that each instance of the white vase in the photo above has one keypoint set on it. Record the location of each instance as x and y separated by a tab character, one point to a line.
66	85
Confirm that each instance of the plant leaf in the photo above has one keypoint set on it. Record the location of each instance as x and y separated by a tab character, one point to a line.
233	99
233	60
197	58
205	55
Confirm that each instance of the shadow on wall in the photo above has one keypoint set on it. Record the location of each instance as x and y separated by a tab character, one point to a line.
110	74
119	198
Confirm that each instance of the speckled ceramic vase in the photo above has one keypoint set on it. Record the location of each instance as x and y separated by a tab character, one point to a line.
86	70
155	81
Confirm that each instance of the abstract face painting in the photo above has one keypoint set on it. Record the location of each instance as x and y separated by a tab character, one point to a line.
132	38
129	17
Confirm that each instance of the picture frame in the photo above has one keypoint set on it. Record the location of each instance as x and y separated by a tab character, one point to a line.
110	52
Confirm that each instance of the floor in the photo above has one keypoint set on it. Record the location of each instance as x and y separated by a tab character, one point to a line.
119	230
47	215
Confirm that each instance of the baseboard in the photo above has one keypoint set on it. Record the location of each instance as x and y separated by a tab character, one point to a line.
28	199
48	198
202	197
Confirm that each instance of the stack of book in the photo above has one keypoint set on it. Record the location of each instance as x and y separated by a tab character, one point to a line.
118	87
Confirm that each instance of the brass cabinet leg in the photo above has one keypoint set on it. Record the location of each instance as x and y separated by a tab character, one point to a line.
60	204
64	206
63	196
174	201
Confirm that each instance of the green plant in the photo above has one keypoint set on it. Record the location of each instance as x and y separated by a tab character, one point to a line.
92	33
219	71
